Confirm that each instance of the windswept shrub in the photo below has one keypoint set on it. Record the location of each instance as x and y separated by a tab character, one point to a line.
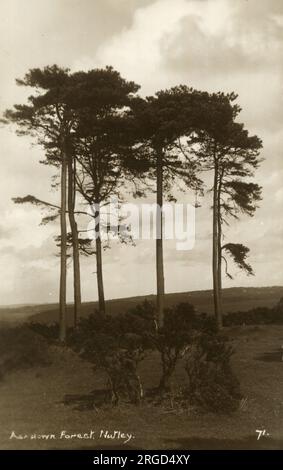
145	310
20	348
174	339
117	345
211	381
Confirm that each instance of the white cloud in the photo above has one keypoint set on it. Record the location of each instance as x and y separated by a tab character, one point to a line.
136	51
210	44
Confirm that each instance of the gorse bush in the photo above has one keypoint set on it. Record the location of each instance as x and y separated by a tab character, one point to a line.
145	310
117	345
211	381
49	332
182	325
20	348
173	339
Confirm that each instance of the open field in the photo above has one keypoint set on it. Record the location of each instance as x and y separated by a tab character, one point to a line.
65	395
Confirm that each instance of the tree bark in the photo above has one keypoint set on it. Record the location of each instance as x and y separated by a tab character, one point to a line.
166	378
219	255
220	282
75	241
99	272
159	240
63	253
215	251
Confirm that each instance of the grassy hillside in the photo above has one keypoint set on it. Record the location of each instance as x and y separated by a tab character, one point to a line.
234	299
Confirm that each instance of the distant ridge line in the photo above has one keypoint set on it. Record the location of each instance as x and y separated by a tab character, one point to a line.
142	296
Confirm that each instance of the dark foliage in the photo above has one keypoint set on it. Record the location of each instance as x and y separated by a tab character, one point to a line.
181	326
20	348
238	252
212	384
49	331
116	345
173	340
256	316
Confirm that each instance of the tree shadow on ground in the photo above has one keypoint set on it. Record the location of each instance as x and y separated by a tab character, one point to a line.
273	356
90	401
100	397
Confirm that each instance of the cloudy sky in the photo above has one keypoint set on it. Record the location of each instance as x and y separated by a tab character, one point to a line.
208	44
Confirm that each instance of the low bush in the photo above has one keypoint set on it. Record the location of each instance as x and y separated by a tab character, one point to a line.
212	384
181	326
117	345
173	340
20	348
49	331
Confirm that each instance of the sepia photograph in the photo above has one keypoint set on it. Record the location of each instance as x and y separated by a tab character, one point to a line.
141	228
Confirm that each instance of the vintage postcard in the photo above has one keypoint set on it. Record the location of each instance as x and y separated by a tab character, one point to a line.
141	229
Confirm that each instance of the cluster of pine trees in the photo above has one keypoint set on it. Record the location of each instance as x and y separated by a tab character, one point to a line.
100	134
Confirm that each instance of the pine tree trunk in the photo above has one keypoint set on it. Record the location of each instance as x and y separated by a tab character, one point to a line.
63	254
99	273
215	252
220	284
75	242
220	261
166	378
159	241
